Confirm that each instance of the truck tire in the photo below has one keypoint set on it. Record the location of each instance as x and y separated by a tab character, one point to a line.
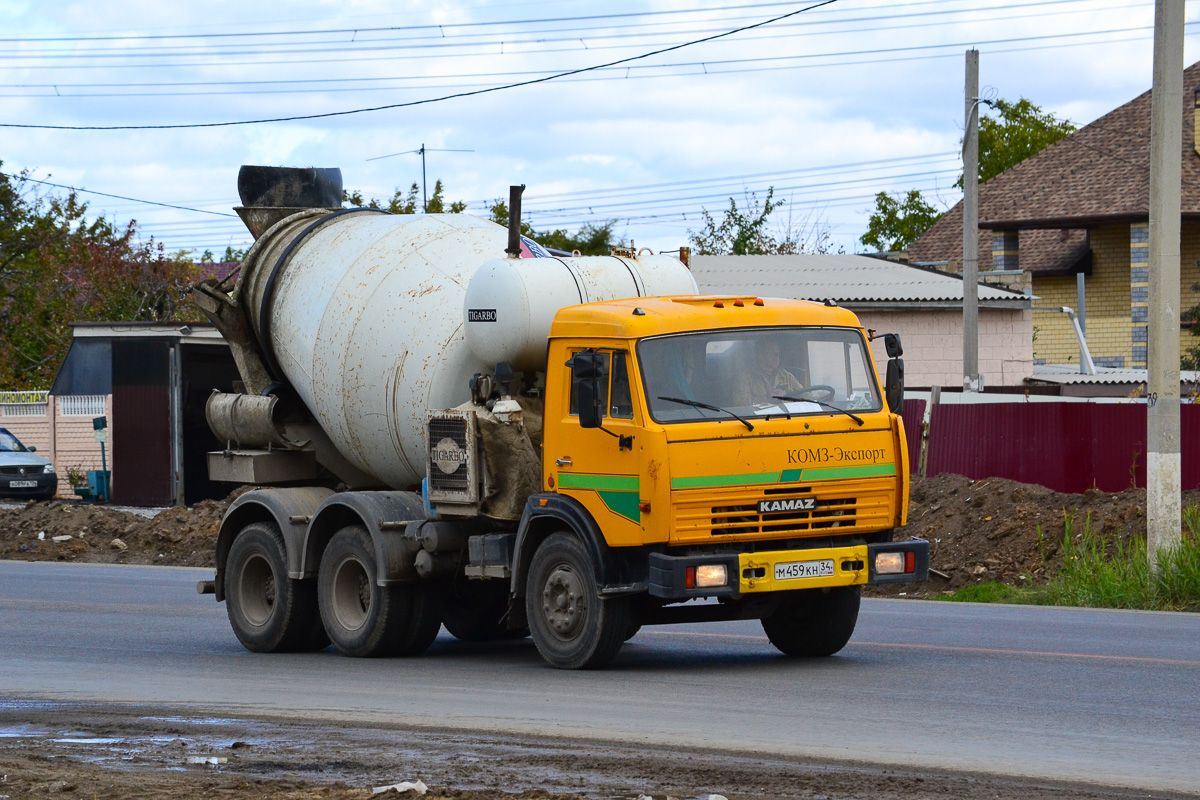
477	611
269	612
571	625
362	618
425	602
814	622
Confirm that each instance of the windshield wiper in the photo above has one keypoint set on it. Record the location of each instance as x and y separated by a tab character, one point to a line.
698	404
821	403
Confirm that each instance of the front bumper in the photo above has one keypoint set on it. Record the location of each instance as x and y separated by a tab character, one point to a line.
752	573
45	485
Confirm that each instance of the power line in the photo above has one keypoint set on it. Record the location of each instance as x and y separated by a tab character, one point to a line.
322	84
426	101
495	23
117	196
443	39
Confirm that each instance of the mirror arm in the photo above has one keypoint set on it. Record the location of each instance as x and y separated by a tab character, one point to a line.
623	442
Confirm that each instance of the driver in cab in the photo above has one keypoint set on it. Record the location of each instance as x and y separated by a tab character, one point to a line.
767	378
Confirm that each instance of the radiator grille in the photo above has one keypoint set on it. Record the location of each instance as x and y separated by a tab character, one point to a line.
842	507
451	462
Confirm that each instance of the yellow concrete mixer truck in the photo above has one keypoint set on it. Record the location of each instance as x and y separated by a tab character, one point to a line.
449	426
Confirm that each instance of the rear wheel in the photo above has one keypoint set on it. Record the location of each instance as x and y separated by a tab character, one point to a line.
364	619
571	625
814	622
269	612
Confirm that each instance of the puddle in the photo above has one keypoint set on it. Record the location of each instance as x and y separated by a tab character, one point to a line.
197	720
90	740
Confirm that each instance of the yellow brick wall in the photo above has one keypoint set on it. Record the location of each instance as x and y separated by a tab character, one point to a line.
1189	274
1107	297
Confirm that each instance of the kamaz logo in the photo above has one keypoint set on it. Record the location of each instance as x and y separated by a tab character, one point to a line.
791	504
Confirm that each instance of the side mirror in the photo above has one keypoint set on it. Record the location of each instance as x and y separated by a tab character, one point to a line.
891	342
894	387
588	380
31	449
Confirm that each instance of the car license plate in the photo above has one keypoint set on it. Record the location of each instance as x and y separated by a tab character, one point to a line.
804	569
22	484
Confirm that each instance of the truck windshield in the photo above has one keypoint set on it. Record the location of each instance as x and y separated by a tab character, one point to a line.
744	371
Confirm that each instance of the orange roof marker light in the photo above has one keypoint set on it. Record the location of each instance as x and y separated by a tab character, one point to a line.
739	303
718	304
758	301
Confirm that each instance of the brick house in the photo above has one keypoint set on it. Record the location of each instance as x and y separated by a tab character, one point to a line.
1081	206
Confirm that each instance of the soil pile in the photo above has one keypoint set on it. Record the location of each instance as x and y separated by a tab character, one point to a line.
1000	530
985	530
177	536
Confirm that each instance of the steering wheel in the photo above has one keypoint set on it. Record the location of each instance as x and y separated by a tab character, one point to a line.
828	391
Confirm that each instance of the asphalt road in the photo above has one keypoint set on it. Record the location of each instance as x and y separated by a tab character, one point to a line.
1107	697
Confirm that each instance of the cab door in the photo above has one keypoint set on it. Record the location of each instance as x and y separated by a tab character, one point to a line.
600	467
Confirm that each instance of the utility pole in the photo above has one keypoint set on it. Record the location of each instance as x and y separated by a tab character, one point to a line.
1163	463
971	377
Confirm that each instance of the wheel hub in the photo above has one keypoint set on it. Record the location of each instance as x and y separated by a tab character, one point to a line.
256	590
351	594
564	602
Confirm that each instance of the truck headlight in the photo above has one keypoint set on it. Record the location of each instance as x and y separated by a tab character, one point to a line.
711	575
48	469
895	563
889	563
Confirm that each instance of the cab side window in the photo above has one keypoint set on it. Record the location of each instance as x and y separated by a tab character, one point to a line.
604	359
620	405
614	366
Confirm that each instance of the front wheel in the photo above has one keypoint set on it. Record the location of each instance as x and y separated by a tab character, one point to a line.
814	622
571	625
269	612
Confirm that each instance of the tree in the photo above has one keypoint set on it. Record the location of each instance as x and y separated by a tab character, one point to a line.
896	224
742	232
590	240
1021	130
410	203
58	267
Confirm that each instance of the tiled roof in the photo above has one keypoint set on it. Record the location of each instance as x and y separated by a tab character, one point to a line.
844	278
1041	251
1099	173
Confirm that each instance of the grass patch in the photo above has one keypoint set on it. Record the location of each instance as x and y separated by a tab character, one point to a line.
1100	574
990	592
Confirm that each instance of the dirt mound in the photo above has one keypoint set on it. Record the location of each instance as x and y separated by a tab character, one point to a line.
178	536
986	530
1000	530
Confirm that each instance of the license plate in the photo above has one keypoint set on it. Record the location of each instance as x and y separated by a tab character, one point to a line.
793	570
22	484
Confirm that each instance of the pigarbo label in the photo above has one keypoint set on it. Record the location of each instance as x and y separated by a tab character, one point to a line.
447	455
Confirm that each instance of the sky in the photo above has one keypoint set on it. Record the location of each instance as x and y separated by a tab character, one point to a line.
827	105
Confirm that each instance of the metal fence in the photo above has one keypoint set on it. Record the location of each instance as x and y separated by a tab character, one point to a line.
1068	446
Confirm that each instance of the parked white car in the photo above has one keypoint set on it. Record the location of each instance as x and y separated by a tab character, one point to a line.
23	473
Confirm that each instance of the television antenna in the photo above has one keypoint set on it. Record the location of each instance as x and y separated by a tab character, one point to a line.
422	150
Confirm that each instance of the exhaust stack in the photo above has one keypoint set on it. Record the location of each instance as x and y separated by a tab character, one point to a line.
514	221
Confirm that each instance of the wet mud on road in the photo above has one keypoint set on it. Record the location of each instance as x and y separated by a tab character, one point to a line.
62	750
